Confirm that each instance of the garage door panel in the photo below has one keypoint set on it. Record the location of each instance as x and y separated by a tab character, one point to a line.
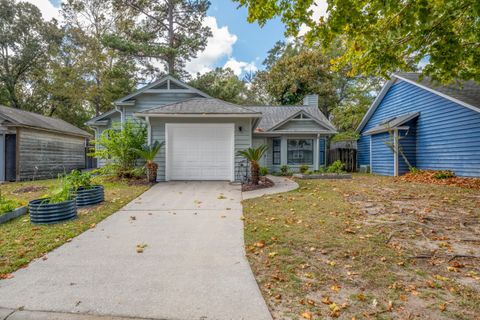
200	151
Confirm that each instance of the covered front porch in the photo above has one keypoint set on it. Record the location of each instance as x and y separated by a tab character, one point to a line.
292	150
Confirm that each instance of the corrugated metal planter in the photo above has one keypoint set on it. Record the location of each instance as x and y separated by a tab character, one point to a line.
91	196
13	214
42	212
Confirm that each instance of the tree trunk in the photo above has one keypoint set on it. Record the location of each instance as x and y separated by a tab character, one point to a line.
152	168
171	39
255	172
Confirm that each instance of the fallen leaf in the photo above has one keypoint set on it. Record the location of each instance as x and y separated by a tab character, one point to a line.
259	244
326	300
442	307
307	315
335	288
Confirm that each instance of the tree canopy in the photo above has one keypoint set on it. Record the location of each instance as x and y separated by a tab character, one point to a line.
382	37
169	31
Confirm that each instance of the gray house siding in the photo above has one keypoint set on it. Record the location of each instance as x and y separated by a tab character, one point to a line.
242	138
301	126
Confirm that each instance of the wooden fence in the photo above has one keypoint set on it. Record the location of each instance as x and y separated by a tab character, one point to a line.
345	151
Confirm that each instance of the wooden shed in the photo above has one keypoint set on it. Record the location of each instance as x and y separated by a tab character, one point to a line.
33	146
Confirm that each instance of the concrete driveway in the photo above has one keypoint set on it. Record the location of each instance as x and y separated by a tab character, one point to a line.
193	265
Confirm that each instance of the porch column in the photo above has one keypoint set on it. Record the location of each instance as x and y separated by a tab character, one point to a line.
316	153
283	151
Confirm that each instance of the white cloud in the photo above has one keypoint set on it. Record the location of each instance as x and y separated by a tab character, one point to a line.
319	9
48	10
218	46
239	67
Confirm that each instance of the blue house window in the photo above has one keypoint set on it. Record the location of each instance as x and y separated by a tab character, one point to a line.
322	154
300	151
276	149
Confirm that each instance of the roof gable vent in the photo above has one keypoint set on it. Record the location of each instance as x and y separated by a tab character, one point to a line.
311	100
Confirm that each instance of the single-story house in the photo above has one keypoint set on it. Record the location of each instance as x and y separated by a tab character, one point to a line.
203	135
33	146
427	126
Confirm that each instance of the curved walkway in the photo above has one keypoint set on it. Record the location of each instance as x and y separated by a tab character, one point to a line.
282	184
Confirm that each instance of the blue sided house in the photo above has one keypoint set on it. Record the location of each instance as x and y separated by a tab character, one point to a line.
417	123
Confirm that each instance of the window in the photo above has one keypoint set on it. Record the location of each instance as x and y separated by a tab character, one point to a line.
277	145
300	151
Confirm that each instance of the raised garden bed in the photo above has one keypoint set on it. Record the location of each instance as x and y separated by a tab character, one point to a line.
5	217
323	176
42	212
89	196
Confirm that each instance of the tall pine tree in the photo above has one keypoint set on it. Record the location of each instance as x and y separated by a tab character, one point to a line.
166	31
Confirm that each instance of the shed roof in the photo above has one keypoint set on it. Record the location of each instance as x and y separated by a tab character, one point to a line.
274	115
21	118
200	106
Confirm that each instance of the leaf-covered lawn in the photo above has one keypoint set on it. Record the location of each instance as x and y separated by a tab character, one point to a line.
368	248
21	242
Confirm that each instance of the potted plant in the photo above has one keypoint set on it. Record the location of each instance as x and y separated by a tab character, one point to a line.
57	206
10	209
254	155
148	153
84	191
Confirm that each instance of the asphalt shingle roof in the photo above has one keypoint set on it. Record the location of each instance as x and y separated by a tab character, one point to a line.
273	115
29	119
392	123
201	106
465	91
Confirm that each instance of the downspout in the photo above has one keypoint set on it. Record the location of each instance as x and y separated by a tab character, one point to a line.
122	116
149	131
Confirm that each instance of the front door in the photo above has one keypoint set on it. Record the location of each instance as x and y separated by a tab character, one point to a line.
10	157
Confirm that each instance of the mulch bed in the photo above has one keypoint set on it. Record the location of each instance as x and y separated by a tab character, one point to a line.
427	176
263	183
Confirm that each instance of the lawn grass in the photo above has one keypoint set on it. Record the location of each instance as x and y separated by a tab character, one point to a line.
21	242
315	254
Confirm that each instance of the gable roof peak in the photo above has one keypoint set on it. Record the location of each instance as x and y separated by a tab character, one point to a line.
157	82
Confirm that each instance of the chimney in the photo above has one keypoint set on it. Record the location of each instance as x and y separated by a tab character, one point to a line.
311	100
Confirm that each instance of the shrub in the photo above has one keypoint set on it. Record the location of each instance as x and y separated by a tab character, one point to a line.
444	174
117	145
336	167
253	155
148	153
78	179
284	170
59	193
263	171
414	170
304	168
8	204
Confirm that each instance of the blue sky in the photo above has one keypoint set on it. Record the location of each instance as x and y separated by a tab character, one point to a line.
236	43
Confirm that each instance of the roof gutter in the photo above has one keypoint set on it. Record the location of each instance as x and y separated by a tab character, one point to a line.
49	130
196	115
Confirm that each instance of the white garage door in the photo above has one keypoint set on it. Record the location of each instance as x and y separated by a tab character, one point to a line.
200	151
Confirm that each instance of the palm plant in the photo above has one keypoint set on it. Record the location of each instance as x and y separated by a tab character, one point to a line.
254	155
148	153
